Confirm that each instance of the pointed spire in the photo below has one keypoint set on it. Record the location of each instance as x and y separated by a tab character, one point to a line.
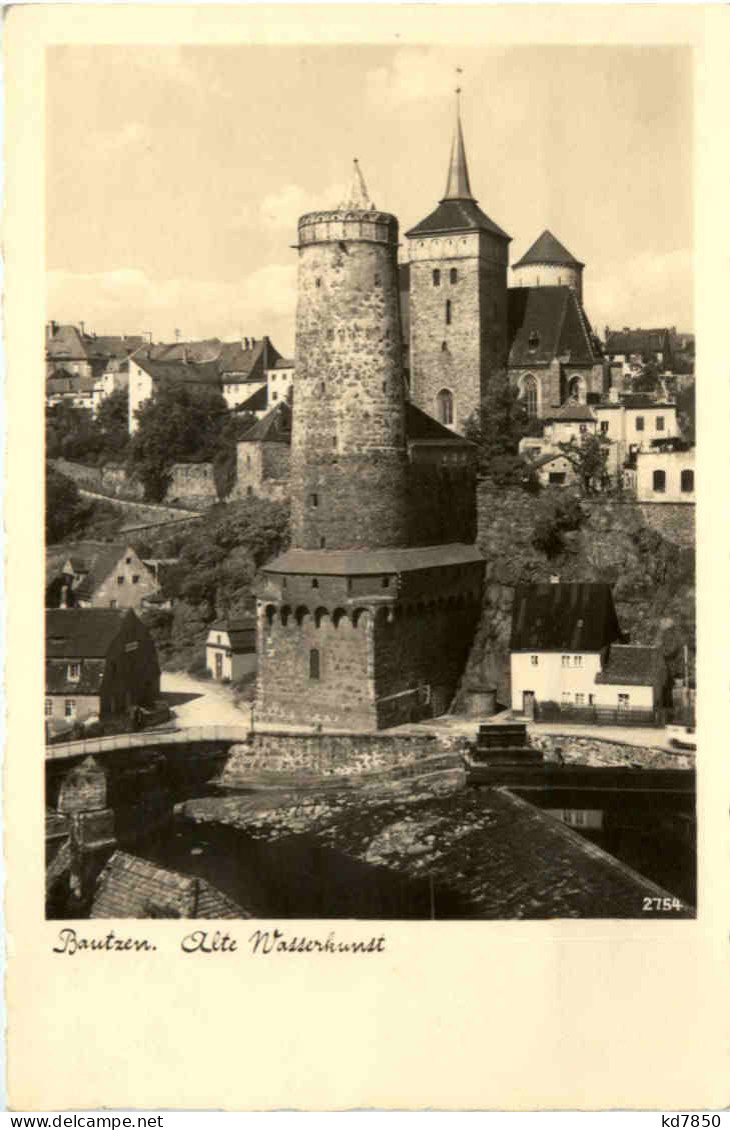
356	196
457	185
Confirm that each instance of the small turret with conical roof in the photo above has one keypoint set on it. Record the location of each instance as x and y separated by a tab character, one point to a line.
457	297
548	263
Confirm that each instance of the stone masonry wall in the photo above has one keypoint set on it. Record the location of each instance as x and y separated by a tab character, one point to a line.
459	356
192	482
675	521
348	460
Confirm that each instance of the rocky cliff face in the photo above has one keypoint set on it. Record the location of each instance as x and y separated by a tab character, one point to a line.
652	578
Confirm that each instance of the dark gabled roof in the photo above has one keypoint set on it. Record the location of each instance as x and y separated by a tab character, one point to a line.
103	565
284	363
84	633
572	411
66	342
179	372
240	631
643	400
130	887
199	351
247	364
274	427
542	460
563	617
457	215
637	341
89	682
545	322
366	562
107	346
421	426
632	666
257	402
549	251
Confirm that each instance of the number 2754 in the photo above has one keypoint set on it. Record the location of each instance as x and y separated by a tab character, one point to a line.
655	902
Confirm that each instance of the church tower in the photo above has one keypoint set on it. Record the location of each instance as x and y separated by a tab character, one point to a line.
359	624
457	299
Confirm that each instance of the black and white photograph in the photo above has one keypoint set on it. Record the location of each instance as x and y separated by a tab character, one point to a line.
370	483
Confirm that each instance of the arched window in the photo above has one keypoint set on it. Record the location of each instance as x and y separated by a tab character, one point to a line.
529	389
688	481
453	275
659	481
443	347
436	277
577	390
448	311
314	663
445	406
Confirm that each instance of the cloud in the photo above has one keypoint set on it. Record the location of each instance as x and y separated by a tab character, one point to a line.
128	301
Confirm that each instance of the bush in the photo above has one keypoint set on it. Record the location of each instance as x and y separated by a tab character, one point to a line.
558	514
198	668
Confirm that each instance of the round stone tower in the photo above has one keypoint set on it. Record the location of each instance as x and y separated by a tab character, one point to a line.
349	459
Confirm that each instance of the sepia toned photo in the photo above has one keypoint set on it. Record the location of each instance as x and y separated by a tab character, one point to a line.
370	483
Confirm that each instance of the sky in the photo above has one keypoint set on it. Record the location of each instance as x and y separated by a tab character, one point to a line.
175	175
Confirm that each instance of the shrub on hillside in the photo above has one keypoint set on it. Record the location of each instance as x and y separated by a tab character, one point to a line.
558	514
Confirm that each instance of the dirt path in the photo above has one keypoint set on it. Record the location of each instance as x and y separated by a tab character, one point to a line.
199	702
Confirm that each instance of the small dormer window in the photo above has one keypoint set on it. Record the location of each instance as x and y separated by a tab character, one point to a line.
74	672
534	339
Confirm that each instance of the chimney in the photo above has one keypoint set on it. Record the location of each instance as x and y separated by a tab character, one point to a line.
51	328
253	342
63	602
83	328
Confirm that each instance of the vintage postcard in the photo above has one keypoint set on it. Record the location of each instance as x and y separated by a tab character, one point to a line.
367	662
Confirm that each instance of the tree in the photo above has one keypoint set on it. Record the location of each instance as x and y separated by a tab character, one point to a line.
64	506
72	433
112	421
224	461
648	379
686	412
558	514
588	459
496	428
180	422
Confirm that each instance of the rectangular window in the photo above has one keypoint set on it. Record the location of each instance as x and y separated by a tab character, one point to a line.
314	663
436	276
448	311
639	423
135	579
582	428
112	603
580	699
660	423
69	707
534	660
48	707
623	702
74	672
577	660
565	660
604	426
128	560
120	580
565	698
385	582
556	477
314	500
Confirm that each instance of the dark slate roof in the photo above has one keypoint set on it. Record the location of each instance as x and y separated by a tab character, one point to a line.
130	887
103	565
246	364
66	342
206	350
420	426
239	632
257	402
548	250
643	400
545	322
84	633
180	372
105	345
563	617
89	683
636	341
633	666
457	215
284	363
354	562
572	411
274	427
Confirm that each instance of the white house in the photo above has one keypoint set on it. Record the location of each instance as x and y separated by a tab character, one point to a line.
565	651
230	651
665	476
